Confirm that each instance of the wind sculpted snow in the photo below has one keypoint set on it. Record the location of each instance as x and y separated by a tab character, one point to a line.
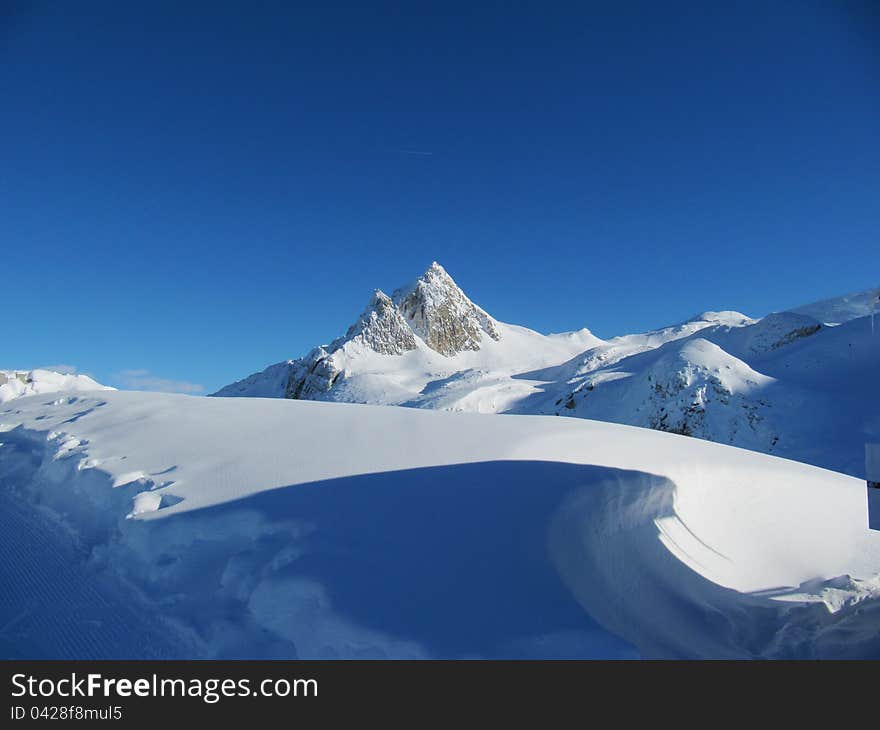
277	528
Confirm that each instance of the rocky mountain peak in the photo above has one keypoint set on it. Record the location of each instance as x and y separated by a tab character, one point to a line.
382	328
432	308
440	313
436	269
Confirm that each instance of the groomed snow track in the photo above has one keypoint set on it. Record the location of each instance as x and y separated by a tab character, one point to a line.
56	602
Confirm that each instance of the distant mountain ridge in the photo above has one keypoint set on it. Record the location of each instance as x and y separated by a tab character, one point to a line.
799	384
20	383
842	309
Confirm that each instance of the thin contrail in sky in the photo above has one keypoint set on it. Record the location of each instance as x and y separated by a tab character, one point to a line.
422	153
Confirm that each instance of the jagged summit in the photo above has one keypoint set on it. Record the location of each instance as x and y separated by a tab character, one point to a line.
432	308
441	314
432	314
381	327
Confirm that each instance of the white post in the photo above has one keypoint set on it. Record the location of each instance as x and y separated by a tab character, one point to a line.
875	300
875	296
872	472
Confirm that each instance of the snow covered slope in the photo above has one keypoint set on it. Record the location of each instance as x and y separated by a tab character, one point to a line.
842	309
784	384
170	525
692	388
18	383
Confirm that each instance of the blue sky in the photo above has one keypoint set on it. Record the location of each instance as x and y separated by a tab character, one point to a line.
188	194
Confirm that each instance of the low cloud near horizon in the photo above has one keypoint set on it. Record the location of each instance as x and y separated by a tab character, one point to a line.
140	379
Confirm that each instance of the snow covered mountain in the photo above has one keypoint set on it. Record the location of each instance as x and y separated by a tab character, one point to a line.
18	383
800	384
147	525
782	385
842	309
426	345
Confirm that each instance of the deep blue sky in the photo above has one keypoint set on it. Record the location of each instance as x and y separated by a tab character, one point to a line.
194	192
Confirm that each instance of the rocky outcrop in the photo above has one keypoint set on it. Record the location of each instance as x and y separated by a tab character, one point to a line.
381	328
312	375
438	311
23	378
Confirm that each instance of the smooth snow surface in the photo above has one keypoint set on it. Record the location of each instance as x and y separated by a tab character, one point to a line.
212	527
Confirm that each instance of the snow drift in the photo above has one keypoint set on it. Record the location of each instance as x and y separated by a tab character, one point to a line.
138	525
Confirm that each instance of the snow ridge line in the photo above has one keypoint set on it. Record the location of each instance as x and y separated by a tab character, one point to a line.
604	543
